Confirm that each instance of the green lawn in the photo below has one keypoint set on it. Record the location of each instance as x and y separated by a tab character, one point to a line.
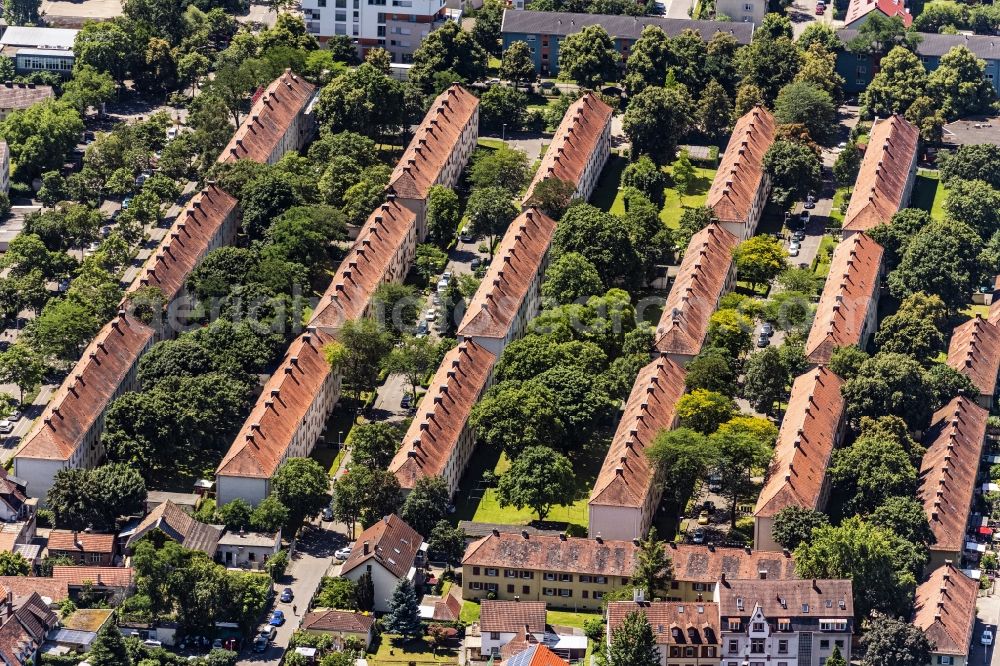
470	612
840	197
394	650
824	255
607	195
972	310
929	193
495	144
481	504
569	618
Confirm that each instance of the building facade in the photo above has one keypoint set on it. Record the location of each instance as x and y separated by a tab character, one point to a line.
786	622
743	11
544	31
390	550
83	547
686	634
39	49
247	550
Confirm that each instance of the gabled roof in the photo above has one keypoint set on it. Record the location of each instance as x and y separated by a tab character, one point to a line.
121	577
24	629
511	616
535	655
87	390
574	142
326	619
262	443
390	542
433	143
861	8
51	589
945	609
515	266
627	474
81	542
270	118
434	432
179	526
885	169
525	21
848	296
187	241
701	279
366	266
975	352
707	564
805	443
948	470
557	554
22	95
787	598
741	169
672	622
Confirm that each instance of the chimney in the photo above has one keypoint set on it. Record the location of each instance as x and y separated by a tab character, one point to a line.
367	548
638	595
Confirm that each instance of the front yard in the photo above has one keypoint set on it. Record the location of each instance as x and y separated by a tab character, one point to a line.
929	193
388	649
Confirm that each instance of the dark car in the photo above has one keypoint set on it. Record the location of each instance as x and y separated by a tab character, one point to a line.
763	340
287	595
260	644
767	329
405	402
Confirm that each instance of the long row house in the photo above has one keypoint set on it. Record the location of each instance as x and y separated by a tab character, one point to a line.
68	434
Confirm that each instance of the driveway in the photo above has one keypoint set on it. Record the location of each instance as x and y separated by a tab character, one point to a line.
803	12
312	559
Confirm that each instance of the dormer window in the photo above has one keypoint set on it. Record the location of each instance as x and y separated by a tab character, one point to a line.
758	626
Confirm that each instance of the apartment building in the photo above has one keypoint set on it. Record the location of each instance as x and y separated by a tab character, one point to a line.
741	186
543	32
885	179
859	69
510	294
847	312
209	221
439	441
19	96
628	490
948	472
280	121
784	622
744	11
686	634
859	11
945	610
398	26
440	147
68	433
287	420
706	274
699	568
390	550
563	572
579	148
974	351
83	547
813	426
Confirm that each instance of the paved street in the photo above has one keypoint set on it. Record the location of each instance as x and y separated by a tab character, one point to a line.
988	616
312	559
803	12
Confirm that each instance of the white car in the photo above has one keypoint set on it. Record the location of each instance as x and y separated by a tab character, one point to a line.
6	427
430	315
343	553
987	638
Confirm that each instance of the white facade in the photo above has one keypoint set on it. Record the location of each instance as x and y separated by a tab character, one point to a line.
743	11
744	229
247	550
592	172
493	641
399	26
383	580
784	642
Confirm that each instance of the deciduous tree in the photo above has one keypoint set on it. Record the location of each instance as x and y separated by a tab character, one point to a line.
589	56
539	478
656	119
794	525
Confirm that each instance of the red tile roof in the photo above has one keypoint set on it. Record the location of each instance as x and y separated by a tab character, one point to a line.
180	526
552	553
707	564
325	619
24	630
945	609
860	8
741	169
575	141
673	622
262	443
99	576
390	542
188	240
700	283
511	616
50	588
885	169
975	352
22	95
948	470
433	434
81	542
367	265
627	475
534	655
433	143
805	443
517	262
87	390
849	294
270	118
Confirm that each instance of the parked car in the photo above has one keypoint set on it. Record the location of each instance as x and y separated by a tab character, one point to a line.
268	633
465	235
6	427
763	340
476	263
277	618
987	638
794	245
405	402
820	10
698	536
287	595
217	644
343	553
767	329
715	483
327	514
430	315
126	202
704	518
793	252
150	643
16	416
804	217
799	235
260	644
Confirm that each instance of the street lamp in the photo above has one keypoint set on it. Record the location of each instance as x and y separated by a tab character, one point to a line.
340	436
503	135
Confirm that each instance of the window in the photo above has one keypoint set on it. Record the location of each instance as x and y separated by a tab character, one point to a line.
784	625
699	587
758	626
509	573
833	625
491	572
531	38
598	594
525	589
600	580
839	643
528	574
491	586
549	591
510	589
586	594
688	651
584	578
476	585
565	593
862	69
475	571
549	575
757	646
783	646
824	644
494	635
708	651
340	15
321	3
674	585
748	7
734	646
734	624
945	660
565	578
